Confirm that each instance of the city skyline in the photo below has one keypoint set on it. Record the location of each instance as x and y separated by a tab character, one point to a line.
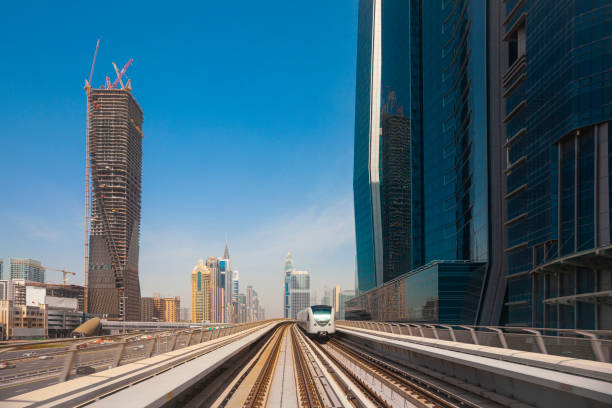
260	232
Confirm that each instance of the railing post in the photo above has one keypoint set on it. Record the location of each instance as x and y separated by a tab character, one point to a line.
119	353
450	330
174	339
435	331
473	333
595	345
420	330
539	340
201	335
153	344
68	363
500	334
189	339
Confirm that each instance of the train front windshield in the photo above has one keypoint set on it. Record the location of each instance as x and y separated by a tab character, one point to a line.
321	315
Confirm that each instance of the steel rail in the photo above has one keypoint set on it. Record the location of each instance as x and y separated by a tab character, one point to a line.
259	392
400	380
363	387
308	393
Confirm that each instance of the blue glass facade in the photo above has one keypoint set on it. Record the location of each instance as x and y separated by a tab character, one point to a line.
434	152
387	179
557	84
364	229
439	292
455	130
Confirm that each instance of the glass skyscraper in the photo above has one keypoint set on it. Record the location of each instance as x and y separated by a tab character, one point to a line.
422	157
387	163
557	95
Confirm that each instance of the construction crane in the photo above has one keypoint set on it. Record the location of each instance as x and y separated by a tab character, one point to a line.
120	74
63	271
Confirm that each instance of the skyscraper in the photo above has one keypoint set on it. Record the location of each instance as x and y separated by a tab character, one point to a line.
423	202
336	299
1	269
250	313
115	160
27	269
235	283
557	134
217	289
225	269
287	285
200	293
299	286
387	181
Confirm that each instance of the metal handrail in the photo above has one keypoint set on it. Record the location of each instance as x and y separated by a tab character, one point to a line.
593	336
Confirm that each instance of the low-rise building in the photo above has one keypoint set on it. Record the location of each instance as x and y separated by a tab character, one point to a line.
23	322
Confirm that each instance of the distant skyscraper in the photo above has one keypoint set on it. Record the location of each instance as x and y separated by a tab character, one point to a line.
200	293
217	288
299	286
327	296
1	269
27	269
287	284
250	313
115	159
235	283
336	299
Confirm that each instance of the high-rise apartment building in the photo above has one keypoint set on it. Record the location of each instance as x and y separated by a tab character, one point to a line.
299	286
557	134
115	163
166	309
27	269
201	293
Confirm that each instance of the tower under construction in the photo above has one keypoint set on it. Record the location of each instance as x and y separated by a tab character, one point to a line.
114	148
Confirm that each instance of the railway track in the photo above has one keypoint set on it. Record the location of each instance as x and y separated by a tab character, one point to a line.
395	380
331	375
307	391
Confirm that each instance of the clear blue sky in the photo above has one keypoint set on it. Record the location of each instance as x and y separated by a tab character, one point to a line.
248	116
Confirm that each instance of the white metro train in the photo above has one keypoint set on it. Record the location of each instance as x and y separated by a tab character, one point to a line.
317	321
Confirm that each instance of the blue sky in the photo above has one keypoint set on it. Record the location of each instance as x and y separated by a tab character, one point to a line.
248	116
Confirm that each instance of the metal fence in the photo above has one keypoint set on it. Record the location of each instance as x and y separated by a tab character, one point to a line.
81	356
583	344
